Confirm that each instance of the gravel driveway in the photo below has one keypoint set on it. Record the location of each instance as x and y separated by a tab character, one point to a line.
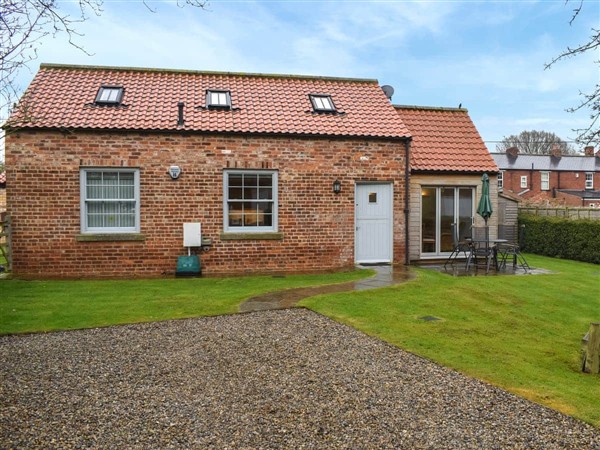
276	379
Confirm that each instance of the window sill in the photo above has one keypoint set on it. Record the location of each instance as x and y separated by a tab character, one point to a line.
110	237
265	236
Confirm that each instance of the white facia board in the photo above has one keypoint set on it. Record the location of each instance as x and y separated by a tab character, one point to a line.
192	235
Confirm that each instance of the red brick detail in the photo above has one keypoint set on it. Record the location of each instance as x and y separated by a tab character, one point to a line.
43	171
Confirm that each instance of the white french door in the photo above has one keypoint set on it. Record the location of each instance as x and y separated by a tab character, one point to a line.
441	206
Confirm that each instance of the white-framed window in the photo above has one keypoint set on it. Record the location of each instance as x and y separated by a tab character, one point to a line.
500	181
250	201
109	95
322	103
218	99
589	180
545	181
110	200
523	181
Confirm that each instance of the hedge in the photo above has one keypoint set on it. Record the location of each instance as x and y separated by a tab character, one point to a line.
562	238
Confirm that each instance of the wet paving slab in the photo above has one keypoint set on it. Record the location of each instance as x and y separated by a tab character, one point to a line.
459	270
385	276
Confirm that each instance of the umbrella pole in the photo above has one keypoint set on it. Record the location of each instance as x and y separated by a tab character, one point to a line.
487	234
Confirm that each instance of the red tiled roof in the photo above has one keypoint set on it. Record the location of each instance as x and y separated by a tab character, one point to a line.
63	96
445	140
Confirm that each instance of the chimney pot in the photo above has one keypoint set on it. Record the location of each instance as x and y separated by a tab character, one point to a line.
512	151
589	150
556	152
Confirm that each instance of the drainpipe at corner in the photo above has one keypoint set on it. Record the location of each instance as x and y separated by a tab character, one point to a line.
406	199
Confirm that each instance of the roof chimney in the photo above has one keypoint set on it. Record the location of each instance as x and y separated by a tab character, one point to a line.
556	152
513	152
180	120
589	150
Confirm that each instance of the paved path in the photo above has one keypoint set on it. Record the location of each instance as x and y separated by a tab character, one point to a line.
385	276
286	379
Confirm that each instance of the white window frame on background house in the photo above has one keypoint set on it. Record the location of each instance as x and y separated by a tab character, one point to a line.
589	180
545	181
242	201
110	201
500	181
523	181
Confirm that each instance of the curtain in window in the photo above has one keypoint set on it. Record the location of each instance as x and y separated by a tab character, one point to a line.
110	199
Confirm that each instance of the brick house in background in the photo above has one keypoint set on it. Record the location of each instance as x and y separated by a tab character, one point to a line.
105	165
554	179
447	160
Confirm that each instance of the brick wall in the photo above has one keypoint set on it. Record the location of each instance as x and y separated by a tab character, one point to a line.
317	225
566	199
558	180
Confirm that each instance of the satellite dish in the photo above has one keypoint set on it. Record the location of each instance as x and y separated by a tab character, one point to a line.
388	91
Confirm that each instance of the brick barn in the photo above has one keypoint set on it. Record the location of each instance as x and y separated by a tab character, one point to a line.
106	164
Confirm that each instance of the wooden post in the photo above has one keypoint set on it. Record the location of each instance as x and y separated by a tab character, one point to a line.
592	350
5	235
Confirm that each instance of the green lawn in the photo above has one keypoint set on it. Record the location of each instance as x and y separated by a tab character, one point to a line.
522	333
33	306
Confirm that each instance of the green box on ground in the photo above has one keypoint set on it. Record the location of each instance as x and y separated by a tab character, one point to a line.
188	266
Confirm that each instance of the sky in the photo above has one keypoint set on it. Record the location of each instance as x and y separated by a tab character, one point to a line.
488	56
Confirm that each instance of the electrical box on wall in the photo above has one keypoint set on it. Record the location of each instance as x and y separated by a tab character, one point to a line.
192	235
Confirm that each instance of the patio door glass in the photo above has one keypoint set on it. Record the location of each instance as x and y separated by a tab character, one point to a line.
440	208
447	207
428	220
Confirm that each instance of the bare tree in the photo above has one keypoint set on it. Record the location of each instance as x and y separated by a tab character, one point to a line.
25	23
535	143
590	100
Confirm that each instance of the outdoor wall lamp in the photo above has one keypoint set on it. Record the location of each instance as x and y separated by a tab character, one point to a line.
337	187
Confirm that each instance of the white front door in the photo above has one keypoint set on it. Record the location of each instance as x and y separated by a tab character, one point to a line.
373	237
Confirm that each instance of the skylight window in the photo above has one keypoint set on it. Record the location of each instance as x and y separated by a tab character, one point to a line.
322	103
109	95
218	99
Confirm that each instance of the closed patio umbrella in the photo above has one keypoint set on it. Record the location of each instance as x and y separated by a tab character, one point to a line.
485	204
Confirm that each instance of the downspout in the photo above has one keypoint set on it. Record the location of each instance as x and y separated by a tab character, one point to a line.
531	178
406	200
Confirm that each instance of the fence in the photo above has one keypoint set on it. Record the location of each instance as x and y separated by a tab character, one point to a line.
564	213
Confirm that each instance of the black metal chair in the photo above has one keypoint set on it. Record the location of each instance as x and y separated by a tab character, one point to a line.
481	250
459	244
514	236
